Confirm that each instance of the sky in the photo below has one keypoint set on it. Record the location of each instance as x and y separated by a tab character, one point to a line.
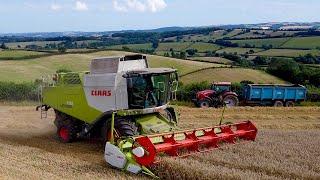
18	16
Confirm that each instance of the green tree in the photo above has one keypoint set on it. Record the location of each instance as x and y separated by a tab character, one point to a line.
3	46
285	68
183	55
155	44
191	52
62	49
260	60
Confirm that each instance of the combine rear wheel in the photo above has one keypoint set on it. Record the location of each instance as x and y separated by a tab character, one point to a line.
231	101
66	133
67	127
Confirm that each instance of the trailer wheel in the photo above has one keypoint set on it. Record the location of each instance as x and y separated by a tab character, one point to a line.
204	103
122	128
289	104
231	101
278	104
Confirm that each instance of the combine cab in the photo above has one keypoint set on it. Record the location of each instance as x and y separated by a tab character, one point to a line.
126	103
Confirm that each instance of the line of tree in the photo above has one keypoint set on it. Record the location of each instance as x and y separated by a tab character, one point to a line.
294	72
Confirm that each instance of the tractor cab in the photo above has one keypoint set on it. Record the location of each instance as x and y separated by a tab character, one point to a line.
151	87
221	86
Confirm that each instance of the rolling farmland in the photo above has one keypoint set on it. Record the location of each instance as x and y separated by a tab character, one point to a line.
303	42
238	50
178	46
213	59
287	52
6	54
275	42
32	69
231	75
131	46
204	47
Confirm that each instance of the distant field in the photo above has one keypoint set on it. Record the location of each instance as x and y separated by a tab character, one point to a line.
232	75
213	59
196	37
203	47
9	54
275	42
238	50
24	44
264	33
303	42
287	52
233	33
131	46
32	69
217	34
176	46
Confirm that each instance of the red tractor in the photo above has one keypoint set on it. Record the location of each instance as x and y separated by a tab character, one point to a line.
219	94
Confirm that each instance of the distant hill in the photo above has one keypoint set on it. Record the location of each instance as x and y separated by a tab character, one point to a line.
272	25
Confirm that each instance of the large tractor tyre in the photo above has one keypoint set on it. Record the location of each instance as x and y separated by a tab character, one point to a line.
289	104
204	103
122	128
278	104
231	101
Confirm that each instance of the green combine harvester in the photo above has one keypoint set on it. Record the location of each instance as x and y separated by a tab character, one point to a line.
126	103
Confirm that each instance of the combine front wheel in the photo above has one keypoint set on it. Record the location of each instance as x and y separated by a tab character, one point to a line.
122	128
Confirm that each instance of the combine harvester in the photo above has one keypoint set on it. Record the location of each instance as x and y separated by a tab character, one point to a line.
126	103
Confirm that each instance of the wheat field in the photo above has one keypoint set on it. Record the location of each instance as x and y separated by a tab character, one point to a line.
286	148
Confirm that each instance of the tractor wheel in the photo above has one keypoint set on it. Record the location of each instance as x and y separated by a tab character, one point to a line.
231	101
289	104
204	103
278	104
122	128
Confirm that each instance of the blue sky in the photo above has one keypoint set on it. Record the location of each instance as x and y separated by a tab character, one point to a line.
106	15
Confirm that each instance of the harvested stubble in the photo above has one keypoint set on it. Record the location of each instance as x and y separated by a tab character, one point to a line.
286	148
275	155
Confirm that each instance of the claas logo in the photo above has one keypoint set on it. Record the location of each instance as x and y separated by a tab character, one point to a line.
101	93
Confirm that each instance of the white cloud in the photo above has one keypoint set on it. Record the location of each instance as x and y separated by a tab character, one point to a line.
55	7
81	6
139	5
156	5
118	7
136	5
